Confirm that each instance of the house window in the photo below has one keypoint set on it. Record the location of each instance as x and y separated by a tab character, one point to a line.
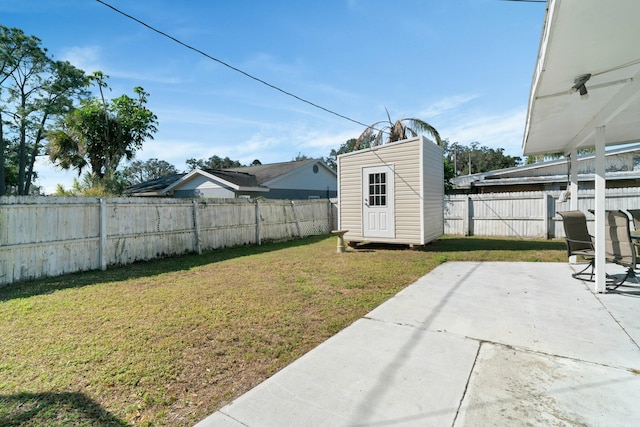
315	168
378	189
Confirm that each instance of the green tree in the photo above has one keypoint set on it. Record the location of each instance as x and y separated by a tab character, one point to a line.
213	162
87	187
449	174
34	89
396	131
100	134
477	159
139	171
300	157
347	147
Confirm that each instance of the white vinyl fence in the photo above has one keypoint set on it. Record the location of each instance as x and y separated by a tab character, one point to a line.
49	236
524	214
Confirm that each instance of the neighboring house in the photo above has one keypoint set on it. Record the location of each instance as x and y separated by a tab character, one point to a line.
622	170
392	193
287	180
220	184
302	179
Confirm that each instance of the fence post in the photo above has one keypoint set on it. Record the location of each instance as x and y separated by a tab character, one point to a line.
295	217
103	234
196	226
546	202
258	242
466	221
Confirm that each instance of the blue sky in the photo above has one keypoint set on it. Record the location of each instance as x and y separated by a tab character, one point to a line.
464	66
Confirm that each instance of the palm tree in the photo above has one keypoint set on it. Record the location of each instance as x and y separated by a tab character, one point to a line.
396	131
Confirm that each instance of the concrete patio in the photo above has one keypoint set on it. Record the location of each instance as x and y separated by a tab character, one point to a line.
470	343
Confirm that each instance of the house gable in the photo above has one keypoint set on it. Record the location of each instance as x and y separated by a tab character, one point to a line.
201	183
295	180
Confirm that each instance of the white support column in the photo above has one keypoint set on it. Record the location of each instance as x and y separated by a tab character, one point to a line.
600	284
573	203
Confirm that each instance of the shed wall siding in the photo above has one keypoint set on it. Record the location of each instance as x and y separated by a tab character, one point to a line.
433	192
405	157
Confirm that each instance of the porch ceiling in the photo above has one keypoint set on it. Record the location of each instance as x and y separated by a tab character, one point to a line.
596	37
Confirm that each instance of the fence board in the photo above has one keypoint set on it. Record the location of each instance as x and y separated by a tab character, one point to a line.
524	214
49	236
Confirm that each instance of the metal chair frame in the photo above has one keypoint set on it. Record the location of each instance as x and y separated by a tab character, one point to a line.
579	241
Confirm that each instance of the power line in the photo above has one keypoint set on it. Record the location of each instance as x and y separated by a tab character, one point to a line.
231	66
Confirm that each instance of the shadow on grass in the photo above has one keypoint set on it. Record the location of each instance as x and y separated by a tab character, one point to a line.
468	244
143	269
54	409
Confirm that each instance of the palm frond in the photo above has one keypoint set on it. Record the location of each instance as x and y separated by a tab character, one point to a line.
422	126
396	131
368	133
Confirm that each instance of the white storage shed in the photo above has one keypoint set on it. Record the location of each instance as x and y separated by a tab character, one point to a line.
392	193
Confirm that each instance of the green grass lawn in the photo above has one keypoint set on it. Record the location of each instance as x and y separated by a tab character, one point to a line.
170	341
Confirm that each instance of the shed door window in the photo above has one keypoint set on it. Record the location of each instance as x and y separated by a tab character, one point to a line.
378	189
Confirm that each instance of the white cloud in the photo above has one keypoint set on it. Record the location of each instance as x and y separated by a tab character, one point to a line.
49	176
89	59
447	104
269	64
145	77
502	130
86	58
323	143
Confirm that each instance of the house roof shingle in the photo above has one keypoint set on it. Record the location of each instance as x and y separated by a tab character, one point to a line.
154	185
242	179
265	173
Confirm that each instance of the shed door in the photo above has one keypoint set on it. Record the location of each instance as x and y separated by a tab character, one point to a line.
378	202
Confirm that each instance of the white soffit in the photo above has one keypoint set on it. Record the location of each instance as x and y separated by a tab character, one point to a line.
596	37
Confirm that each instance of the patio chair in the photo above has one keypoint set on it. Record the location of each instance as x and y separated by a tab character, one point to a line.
579	241
619	247
635	231
635	216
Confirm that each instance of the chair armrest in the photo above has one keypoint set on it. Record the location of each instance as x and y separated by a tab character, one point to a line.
590	242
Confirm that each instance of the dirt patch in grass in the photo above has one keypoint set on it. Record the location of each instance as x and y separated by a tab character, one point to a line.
169	342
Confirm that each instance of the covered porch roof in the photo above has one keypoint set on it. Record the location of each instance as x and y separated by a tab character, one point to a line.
585	91
585	38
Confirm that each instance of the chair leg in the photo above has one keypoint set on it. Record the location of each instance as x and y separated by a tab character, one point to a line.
583	272
631	274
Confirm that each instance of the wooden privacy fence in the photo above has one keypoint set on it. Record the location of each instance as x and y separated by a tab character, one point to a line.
524	214
49	236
